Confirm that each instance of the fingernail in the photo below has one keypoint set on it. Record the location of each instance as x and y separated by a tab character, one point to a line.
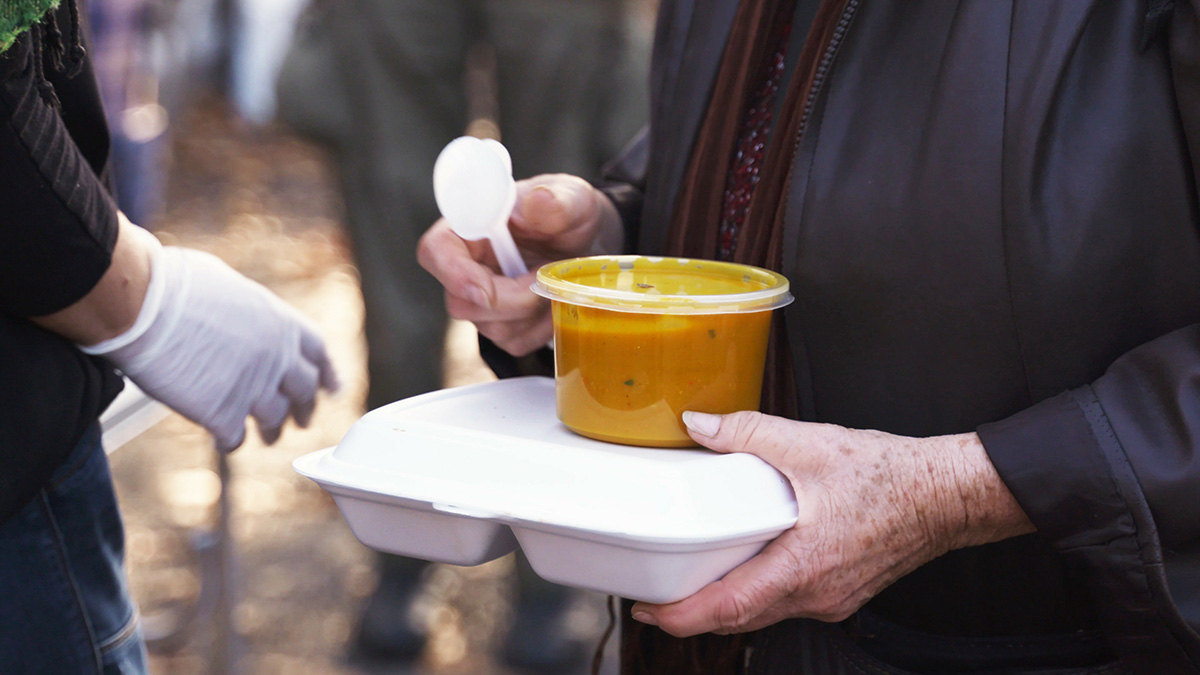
548	190
702	423
518	214
476	295
558	199
645	617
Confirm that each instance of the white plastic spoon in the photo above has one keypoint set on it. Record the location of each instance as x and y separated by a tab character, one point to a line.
475	191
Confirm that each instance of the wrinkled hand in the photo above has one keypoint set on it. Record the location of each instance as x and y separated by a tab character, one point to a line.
872	508
557	216
216	347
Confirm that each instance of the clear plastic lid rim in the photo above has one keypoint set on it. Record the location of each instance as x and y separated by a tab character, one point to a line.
616	300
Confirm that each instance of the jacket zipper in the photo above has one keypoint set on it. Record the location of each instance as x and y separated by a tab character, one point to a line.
835	42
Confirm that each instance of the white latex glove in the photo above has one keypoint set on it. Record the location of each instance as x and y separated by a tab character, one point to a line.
216	347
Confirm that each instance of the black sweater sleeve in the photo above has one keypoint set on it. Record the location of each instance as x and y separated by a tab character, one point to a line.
625	184
57	229
58	223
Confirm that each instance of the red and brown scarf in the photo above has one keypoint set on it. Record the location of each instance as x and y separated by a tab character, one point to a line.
695	222
693	232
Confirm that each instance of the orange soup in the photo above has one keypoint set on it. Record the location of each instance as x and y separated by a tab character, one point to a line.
638	341
628	378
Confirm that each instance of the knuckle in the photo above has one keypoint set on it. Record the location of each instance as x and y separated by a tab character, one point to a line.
445	257
460	309
734	612
430	248
502	335
518	342
746	425
492	331
424	255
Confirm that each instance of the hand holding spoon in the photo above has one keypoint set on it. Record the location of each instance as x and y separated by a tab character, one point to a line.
475	191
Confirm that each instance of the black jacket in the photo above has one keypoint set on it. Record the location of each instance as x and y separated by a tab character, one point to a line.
58	225
992	225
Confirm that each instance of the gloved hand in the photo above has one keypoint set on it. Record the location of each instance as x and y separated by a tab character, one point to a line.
216	347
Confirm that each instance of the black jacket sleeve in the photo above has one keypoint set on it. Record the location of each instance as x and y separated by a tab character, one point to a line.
625	184
58	223
1110	472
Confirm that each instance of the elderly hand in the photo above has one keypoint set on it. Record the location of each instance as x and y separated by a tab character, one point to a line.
557	216
872	506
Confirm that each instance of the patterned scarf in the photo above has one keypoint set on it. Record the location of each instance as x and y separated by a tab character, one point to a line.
695	227
695	230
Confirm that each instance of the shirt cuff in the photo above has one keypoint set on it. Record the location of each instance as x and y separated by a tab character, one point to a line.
1052	461
1066	468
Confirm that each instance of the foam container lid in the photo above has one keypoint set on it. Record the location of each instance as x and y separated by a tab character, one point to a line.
466	475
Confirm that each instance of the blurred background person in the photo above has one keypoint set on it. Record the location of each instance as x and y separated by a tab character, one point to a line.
384	85
153	59
129	90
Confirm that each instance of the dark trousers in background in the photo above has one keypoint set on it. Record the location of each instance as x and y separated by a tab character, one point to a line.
381	83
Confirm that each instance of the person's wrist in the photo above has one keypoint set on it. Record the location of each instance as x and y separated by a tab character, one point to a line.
152	297
976	506
113	305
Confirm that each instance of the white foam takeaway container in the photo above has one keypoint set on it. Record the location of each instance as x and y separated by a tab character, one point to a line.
467	475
